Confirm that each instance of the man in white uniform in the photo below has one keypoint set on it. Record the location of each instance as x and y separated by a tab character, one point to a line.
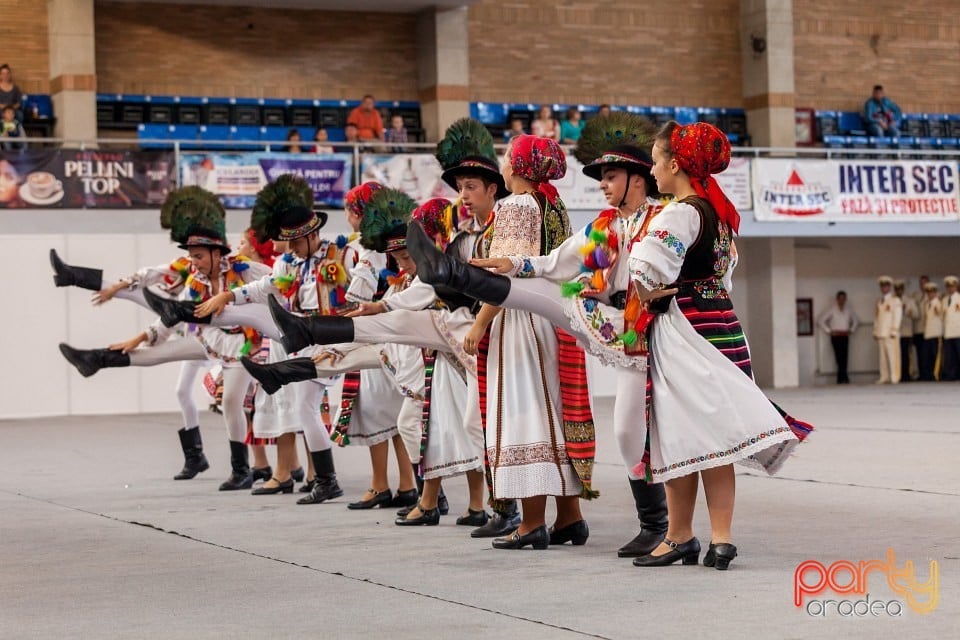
886	331
951	331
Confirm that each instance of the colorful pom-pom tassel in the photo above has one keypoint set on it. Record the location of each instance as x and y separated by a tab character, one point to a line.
600	258
342	241
571	289
629	338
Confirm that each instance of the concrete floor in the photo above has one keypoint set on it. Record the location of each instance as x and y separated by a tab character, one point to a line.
96	540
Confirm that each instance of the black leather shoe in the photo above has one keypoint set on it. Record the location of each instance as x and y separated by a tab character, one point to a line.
282	487
297	474
65	275
405	499
325	485
577	533
539	539
719	555
307	486
427	517
443	506
276	374
380	499
194	461
263	473
644	543
498	525
171	311
403	511
474	518
437	268
688	552
89	361
237	481
299	332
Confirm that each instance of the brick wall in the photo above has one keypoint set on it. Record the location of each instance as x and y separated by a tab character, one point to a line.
23	24
911	48
253	52
619	51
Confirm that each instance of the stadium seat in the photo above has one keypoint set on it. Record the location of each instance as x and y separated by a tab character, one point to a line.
953	125
828	124
937	125
709	115
686	115
153	132
851	124
914	124
663	115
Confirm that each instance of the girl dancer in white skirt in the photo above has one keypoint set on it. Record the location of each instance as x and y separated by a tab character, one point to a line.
706	412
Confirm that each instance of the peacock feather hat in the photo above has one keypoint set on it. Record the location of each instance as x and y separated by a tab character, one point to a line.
383	227
284	210
195	218
620	139
467	150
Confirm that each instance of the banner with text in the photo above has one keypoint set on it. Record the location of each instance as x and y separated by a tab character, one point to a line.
70	179
237	177
855	190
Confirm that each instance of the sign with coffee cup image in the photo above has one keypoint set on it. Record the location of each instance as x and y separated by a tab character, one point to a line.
75	179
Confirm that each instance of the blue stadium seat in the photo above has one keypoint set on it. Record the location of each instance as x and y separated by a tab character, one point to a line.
662	115
188	134
937	125
858	142
851	123
245	133
149	131
686	115
953	124
914	124
835	142
709	115
214	132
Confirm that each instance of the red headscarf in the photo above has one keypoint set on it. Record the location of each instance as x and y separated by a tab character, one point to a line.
702	150
538	160
435	215
264	249
356	199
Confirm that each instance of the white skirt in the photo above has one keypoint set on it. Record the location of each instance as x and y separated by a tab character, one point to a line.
454	431
705	412
597	328
374	416
525	441
294	405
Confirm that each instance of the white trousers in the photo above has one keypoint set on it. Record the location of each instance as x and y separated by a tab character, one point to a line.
236	380
889	359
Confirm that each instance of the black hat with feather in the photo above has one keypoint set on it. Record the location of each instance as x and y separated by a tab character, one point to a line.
386	215
284	210
467	150
620	139
195	218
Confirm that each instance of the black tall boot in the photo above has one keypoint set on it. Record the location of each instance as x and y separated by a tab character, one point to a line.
276	374
437	268
65	275
651	502
193	459
325	486
501	523
89	361
299	332
172	312
240	475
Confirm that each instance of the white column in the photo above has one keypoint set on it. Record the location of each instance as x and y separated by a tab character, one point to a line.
443	68
73	68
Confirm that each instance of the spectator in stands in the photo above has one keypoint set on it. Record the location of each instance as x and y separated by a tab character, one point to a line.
604	110
10	128
10	94
571	127
9	186
293	137
367	120
882	115
321	138
351	134
397	133
546	125
516	129
839	323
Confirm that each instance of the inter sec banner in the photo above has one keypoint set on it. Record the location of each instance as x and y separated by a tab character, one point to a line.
855	189
237	177
73	179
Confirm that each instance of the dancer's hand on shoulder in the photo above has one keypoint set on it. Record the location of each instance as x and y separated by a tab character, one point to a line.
646	295
129	345
497	265
367	309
